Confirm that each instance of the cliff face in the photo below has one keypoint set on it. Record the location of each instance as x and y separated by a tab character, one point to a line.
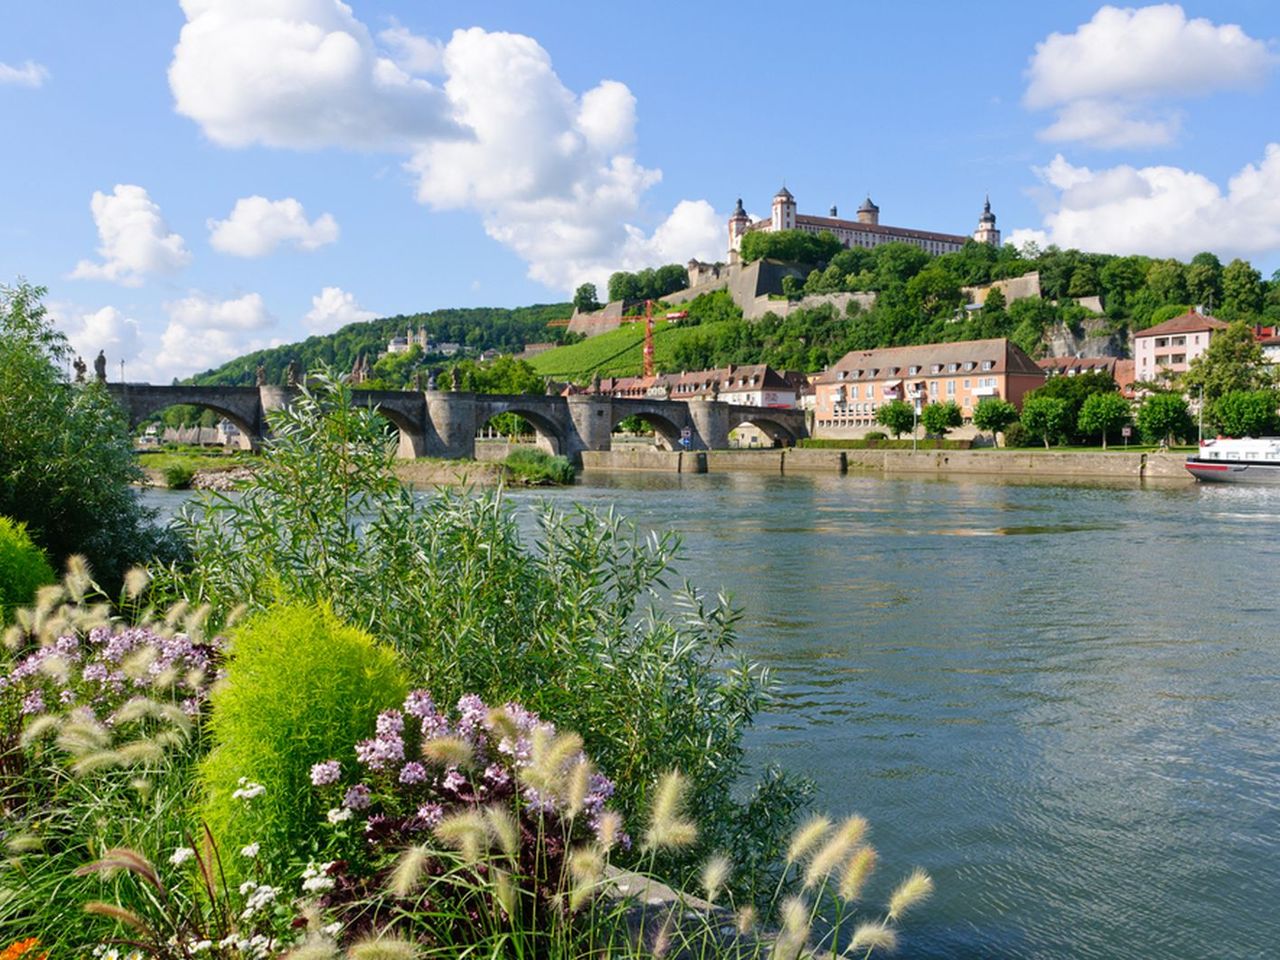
1095	339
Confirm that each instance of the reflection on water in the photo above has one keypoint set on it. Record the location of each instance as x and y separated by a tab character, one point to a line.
1061	700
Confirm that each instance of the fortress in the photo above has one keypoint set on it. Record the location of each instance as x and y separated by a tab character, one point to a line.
866	231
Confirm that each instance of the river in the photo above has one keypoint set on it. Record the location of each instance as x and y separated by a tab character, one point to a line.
1061	700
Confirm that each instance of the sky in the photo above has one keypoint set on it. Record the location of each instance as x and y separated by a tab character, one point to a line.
196	180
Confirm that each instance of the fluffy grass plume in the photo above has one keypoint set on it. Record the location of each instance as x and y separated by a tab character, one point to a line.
909	892
807	836
714	874
873	936
856	872
382	949
832	853
408	871
301	687
465	832
667	827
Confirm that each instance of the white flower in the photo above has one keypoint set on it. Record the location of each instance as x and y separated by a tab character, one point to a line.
177	858
247	887
261	898
250	851
315	879
332	929
200	946
339	814
248	790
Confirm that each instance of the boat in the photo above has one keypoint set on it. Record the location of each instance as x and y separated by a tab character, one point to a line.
1227	460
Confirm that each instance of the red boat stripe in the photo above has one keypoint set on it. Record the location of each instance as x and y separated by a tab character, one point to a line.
1207	466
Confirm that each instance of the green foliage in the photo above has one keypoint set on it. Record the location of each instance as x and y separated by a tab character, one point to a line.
1246	413
576	625
66	456
585	298
301	687
1204	280
1102	413
1046	417
995	415
871	442
875	435
791	246
1165	417
500	375
23	568
178	476
897	415
1233	362
1016	435
619	353
939	418
533	467
647	284
1075	391
1242	294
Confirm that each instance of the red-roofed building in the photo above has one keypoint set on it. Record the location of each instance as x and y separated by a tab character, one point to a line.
1169	347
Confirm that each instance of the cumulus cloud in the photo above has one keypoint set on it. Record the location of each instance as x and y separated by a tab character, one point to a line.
257	226
1107	79
204	332
30	74
333	308
107	329
133	239
551	173
1161	210
296	73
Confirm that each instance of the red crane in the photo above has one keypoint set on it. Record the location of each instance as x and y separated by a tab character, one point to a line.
648	339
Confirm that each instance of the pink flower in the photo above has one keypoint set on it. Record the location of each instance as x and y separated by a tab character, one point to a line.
413	773
357	797
323	774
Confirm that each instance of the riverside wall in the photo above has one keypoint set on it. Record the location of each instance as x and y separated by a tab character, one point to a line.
1118	465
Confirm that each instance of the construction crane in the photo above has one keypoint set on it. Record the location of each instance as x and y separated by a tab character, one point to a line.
648	339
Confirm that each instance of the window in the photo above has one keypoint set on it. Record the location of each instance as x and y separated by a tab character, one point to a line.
853	392
988	364
1178	358
1178	342
933	388
912	371
969	365
966	383
842	374
952	367
937	368
951	388
1161	342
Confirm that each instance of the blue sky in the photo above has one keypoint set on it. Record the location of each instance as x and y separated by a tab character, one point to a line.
399	166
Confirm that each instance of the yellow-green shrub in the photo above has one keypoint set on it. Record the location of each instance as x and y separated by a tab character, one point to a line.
23	568
301	687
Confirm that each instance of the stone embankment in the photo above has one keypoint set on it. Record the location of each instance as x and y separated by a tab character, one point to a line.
222	480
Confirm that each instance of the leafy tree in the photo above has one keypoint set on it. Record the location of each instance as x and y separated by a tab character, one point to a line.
938	418
1204	280
500	375
896	415
898	262
66	458
1233	361
1102	413
1084	281
994	414
1046	417
1121	278
1241	290
1164	417
584	298
792	246
1247	413
1167	280
1074	391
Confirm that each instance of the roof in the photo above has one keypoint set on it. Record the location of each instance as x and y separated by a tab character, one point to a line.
1189	322
896	362
858	227
696	382
1062	365
868	206
784	193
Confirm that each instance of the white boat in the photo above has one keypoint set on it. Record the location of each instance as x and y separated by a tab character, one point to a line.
1237	461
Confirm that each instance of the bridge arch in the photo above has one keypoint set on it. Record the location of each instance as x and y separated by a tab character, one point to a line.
666	429
143	407
549	431
778	432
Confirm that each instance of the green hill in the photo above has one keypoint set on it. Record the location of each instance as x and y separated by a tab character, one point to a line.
476	328
620	352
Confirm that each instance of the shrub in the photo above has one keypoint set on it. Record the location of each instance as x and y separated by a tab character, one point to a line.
1246	413
876	435
1165	417
23	568
1016	435
872	443
301	687
532	467
178	476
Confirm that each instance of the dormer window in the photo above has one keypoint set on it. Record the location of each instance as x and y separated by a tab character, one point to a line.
969	365
894	371
937	368
988	364
952	367
913	370
841	374
875	373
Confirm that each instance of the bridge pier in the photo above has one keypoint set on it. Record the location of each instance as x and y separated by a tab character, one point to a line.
710	422
591	425
450	425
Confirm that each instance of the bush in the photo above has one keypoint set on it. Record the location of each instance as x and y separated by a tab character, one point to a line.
1016	435
178	476
872	443
23	568
533	467
876	435
301	687
1165	417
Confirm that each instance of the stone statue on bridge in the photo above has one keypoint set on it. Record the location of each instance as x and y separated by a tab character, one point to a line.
595	383
455	379
715	389
431	379
100	366
260	376
291	373
81	368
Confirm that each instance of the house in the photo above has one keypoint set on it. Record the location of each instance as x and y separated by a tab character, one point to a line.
848	393
1168	348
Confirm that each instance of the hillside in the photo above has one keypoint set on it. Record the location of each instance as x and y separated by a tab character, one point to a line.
619	352
478	328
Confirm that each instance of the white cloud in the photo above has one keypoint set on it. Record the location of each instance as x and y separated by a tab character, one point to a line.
106	329
257	226
1103	78
204	332
133	239
1161	210
551	173
333	308
296	73
30	74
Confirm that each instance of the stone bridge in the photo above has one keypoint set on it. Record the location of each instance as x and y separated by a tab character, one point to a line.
444	424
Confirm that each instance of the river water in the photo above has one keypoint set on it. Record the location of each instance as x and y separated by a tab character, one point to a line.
1061	700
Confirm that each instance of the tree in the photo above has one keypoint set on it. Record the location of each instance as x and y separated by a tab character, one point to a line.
994	414
938	418
792	246
1167	281
584	298
896	415
1102	413
1204	280
1164	416
1247	413
1241	290
1233	361
1074	391
1084	281
1046	417
66	457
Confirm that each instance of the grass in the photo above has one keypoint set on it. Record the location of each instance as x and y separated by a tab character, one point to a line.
164	460
533	467
618	353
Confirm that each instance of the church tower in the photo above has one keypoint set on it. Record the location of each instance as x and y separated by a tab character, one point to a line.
784	211
738	224
869	213
987	232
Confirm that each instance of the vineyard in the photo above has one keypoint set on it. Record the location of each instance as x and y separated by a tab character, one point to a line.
617	353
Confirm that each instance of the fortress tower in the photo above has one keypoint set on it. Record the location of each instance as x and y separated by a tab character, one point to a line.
987	232
784	211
